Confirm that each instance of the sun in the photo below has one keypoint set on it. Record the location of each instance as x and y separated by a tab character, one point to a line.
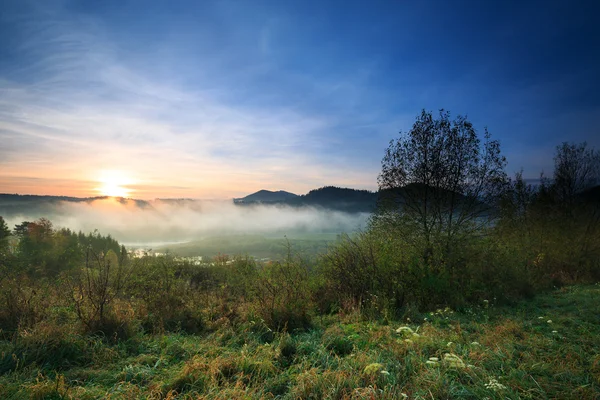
113	184
113	190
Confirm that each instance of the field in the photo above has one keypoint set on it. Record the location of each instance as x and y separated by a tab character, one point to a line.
254	245
543	348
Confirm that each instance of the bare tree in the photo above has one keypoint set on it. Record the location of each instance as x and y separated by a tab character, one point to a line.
97	286
440	182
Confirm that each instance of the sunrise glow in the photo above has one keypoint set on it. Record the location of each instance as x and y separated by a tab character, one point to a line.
114	184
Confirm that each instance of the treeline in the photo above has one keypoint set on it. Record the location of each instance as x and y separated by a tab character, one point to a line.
36	249
451	230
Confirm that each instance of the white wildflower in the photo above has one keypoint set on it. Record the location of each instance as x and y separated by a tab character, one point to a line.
549	321
475	344
454	361
494	385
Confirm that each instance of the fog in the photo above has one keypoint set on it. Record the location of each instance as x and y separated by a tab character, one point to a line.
171	221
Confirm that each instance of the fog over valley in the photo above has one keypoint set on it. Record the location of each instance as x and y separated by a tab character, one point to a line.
160	222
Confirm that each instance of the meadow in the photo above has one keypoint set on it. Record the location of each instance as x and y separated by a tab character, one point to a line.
259	246
539	349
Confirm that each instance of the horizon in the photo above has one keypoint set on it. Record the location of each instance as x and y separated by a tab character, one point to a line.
146	100
180	198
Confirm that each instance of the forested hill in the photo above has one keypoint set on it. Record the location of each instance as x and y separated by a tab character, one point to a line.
15	204
266	196
329	197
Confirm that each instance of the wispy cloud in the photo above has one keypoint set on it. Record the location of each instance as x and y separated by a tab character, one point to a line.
82	107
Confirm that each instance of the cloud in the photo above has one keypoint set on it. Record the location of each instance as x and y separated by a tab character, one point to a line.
85	105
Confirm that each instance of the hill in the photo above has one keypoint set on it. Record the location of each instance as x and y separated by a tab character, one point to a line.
328	197
591	195
38	206
336	198
266	196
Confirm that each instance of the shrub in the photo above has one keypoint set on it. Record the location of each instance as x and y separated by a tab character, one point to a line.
282	294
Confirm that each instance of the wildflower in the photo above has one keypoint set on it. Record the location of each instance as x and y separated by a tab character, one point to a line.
424	319
453	361
475	344
373	368
549	321
384	372
554	331
429	362
540	317
494	385
434	359
403	329
449	344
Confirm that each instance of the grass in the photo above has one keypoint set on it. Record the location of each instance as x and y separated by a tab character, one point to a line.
546	348
258	246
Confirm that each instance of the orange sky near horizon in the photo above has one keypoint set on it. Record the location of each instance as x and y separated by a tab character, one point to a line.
121	184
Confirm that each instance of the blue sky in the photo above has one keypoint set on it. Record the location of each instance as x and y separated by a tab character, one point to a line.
221	98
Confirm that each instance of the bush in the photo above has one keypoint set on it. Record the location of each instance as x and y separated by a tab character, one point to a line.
282	296
24	303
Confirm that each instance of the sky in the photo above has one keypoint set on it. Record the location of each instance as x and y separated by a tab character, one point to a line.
218	99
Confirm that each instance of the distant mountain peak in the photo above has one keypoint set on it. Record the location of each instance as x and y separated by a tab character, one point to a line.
266	196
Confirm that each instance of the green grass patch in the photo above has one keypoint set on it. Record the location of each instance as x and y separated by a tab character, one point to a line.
542	348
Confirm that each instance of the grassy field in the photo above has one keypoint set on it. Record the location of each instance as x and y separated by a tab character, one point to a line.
257	246
546	348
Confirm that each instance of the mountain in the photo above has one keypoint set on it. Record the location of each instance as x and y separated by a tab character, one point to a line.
329	197
266	196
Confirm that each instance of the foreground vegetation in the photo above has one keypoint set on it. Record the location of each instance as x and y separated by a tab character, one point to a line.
546	348
371	317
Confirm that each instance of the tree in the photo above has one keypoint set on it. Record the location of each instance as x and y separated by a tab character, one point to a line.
95	289
576	169
439	183
4	252
4	235
575	209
